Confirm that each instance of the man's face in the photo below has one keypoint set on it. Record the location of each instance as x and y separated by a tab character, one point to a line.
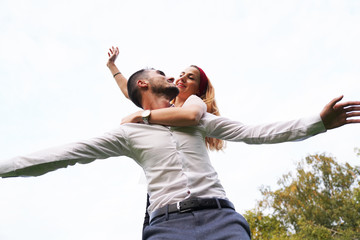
163	85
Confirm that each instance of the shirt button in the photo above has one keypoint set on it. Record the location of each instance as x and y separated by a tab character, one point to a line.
188	192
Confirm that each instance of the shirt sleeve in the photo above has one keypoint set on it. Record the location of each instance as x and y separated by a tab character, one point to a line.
195	100
109	145
277	132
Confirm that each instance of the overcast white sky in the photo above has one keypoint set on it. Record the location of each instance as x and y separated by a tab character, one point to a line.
268	61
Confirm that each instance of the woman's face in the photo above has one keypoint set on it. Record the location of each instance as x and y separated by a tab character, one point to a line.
188	82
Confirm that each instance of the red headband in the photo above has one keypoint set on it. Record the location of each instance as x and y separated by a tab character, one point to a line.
203	82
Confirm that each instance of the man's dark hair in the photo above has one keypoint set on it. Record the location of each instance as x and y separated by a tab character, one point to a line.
133	89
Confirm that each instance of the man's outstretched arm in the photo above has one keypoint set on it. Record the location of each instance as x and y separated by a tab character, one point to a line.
38	163
333	115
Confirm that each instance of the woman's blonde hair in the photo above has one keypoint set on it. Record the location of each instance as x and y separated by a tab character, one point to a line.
209	99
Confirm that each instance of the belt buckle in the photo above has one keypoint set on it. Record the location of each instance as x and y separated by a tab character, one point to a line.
178	206
190	205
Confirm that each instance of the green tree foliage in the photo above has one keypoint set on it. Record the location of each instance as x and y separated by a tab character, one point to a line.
320	201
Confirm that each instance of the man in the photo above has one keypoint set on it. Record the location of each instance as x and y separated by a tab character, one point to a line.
187	200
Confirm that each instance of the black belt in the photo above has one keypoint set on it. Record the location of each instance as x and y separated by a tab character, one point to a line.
191	205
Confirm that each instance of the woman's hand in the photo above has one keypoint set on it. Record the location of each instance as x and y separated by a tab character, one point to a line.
119	78
133	118
113	54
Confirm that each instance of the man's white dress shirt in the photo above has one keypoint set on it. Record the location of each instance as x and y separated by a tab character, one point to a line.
174	159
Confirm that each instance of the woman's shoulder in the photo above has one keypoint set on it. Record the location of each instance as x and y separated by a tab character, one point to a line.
195	100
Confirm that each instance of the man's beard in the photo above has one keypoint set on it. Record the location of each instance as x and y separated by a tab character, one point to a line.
170	92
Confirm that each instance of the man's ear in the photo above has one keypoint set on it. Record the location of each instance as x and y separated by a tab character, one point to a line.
142	83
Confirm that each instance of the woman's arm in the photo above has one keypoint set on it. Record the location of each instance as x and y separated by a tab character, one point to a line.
188	115
175	116
119	78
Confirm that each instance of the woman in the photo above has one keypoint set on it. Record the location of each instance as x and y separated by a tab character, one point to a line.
193	83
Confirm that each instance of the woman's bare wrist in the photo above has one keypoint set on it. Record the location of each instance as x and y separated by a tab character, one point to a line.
110	64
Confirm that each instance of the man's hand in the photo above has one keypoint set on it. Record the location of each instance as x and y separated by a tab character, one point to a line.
337	114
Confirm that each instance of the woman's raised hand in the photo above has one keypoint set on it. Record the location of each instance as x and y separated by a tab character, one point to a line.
113	53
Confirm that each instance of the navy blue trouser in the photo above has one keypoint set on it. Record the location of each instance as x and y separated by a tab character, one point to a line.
207	224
